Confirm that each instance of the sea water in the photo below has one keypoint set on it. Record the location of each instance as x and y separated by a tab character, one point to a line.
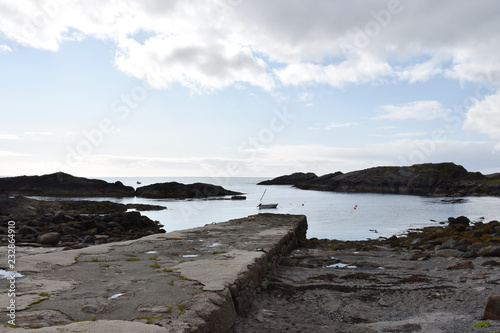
344	216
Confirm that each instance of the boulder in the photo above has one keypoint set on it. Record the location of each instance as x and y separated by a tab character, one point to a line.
50	238
421	255
449	253
461	220
492	308
489	251
449	244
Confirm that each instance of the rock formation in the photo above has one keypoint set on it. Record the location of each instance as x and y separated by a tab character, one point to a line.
176	190
72	223
294	178
442	179
61	184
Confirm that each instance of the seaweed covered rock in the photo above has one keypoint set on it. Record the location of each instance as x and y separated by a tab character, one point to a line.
71	223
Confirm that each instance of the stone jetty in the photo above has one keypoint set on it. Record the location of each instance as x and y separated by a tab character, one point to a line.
195	280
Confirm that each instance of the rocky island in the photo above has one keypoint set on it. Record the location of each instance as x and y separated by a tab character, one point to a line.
441	179
182	191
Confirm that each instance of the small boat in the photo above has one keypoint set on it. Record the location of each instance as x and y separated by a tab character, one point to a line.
138	182
266	206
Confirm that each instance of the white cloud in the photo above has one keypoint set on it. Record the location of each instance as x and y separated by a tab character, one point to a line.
357	71
4	153
5	49
418	110
484	116
209	45
337	125
8	136
421	71
197	61
331	126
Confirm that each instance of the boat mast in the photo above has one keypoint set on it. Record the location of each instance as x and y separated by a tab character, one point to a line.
263	195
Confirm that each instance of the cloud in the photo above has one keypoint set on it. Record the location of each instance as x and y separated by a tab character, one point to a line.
357	71
331	126
5	153
8	136
5	49
418	110
210	45
197	61
484	116
421	72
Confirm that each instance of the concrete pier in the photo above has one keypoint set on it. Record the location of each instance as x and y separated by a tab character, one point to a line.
195	280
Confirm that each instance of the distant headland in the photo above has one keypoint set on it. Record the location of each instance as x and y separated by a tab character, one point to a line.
429	179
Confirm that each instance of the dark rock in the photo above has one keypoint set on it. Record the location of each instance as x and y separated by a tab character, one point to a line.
77	230
89	239
492	308
63	185
449	253
489	251
462	264
294	178
442	179
115	225
24	230
182	191
51	238
491	263
462	220
449	244
70	231
145	207
419	256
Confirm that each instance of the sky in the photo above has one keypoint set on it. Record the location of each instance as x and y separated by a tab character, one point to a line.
233	88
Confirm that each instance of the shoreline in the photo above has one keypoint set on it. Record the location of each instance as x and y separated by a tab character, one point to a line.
349	286
407	284
363	288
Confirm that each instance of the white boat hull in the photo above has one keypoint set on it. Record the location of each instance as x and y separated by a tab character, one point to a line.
267	206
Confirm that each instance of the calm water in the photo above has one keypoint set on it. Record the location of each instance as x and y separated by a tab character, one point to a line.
329	215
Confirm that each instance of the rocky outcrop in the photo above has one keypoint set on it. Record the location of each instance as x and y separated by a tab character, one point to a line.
71	223
460	238
442	179
22	208
294	178
61	184
176	190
